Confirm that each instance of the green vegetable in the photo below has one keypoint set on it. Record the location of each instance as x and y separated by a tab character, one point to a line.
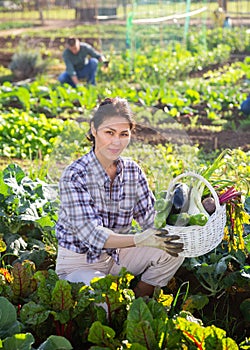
181	219
198	219
195	205
160	204
160	219
162	194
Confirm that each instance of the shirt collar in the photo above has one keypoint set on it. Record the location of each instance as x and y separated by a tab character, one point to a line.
100	173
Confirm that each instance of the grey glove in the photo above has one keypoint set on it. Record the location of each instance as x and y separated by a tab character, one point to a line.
159	238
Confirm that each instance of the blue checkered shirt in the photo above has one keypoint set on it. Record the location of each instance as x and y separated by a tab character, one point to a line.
90	205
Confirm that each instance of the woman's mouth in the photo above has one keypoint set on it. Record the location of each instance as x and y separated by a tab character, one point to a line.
114	150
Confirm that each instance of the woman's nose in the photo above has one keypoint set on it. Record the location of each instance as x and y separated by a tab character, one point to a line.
116	139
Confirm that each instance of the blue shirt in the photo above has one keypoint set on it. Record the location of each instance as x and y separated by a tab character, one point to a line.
91	205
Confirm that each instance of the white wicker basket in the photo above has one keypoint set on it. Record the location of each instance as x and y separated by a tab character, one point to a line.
200	240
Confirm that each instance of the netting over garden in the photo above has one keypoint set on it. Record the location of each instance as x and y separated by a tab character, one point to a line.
160	23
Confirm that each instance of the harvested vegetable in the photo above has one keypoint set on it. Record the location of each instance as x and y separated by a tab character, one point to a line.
198	219
181	219
229	195
160	219
195	205
209	205
161	204
180	197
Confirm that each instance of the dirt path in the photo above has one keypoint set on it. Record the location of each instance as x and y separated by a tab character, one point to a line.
47	25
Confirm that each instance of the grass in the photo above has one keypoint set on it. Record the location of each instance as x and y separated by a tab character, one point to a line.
15	25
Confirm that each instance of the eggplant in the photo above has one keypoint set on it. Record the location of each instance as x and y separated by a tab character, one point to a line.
180	197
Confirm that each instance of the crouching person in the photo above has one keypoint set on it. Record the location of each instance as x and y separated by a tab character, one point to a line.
101	194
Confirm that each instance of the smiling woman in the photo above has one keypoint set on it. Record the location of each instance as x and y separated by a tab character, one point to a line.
113	135
101	194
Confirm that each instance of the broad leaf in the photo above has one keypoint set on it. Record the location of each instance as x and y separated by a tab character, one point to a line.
8	319
14	171
34	314
61	297
139	325
100	334
195	302
20	341
55	343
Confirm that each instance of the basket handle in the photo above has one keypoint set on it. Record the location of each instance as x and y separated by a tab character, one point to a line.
201	178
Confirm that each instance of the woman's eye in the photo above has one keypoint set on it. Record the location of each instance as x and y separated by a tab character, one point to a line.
125	134
109	132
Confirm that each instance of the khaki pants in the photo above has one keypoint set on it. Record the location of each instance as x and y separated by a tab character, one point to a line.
155	266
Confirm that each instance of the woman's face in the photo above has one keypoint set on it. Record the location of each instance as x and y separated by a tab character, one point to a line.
111	138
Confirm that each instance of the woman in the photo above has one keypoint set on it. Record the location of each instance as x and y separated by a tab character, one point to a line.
101	193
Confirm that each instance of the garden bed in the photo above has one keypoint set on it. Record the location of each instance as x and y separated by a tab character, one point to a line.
205	139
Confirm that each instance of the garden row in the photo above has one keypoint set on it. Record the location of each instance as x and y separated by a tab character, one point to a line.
43	125
38	109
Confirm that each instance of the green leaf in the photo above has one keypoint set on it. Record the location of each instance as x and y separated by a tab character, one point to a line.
14	170
61	296
62	316
3	186
157	309
100	334
139	311
55	343
139	325
20	341
34	314
102	284
8	319
245	309
46	283
195	302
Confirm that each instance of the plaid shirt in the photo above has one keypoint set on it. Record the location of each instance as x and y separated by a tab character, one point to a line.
91	206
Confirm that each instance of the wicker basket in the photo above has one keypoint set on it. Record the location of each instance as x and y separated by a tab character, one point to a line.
199	240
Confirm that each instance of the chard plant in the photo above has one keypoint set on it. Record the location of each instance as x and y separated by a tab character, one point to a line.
28	210
47	306
73	312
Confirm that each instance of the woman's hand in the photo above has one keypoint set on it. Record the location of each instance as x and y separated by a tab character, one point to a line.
159	238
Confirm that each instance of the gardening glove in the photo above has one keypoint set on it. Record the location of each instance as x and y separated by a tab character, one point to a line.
159	238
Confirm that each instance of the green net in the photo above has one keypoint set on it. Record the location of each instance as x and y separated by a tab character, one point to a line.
163	23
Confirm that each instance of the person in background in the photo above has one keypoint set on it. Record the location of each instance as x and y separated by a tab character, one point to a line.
219	17
81	61
245	106
101	194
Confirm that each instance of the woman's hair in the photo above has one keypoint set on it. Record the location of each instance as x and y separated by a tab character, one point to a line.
111	107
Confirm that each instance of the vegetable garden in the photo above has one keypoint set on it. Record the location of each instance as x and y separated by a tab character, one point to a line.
185	101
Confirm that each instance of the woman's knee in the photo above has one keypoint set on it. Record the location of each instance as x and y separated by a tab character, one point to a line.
84	276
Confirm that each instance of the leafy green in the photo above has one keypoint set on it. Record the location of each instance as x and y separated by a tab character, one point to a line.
8	318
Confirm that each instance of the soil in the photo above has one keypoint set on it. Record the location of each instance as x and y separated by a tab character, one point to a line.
200	136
